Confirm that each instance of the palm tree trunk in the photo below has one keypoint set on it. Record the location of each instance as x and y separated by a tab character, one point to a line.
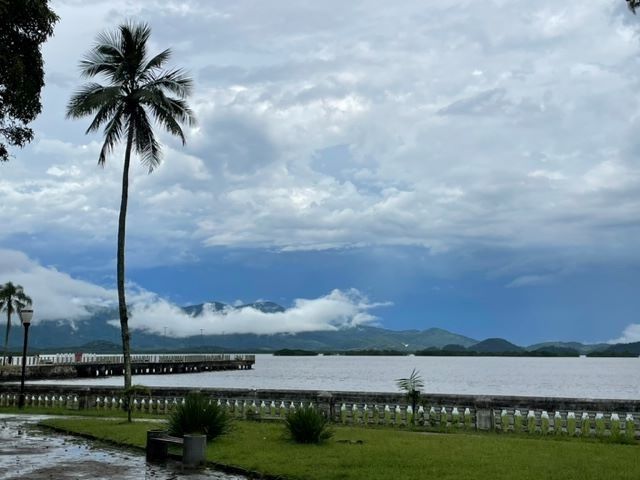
122	304
6	335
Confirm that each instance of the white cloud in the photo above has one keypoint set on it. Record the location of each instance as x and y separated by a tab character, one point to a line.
500	125
55	294
58	296
338	309
629	335
530	280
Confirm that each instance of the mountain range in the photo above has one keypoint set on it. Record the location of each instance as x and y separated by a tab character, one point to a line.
96	334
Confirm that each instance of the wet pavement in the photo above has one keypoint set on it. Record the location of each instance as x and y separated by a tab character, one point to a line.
30	452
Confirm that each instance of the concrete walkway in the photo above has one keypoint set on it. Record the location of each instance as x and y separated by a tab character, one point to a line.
28	452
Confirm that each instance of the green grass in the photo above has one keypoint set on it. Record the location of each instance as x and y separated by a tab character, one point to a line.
29	410
390	454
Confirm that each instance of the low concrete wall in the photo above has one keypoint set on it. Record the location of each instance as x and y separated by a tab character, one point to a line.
576	416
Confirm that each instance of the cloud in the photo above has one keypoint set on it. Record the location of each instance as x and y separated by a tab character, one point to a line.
460	129
55	294
530	280
630	334
338	309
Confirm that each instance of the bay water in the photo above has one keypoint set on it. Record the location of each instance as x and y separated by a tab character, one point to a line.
554	377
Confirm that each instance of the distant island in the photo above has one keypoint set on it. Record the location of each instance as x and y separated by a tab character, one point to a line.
96	334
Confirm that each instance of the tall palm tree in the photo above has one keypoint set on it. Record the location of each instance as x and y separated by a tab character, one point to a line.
12	299
139	90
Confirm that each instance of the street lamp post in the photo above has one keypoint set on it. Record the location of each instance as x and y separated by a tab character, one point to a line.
25	316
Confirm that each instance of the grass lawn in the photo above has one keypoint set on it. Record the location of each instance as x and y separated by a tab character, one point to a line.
392	454
31	410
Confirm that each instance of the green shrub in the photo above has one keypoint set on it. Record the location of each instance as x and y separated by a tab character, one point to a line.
571	424
585	427
544	423
197	415
630	427
307	425
600	425
467	419
531	422
557	424
517	421
504	421
615	426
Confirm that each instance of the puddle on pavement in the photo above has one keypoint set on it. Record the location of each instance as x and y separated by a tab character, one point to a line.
28	452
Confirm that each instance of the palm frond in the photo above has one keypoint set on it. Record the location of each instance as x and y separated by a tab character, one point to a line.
106	57
138	89
92	97
155	63
144	140
134	47
169	112
413	383
175	81
112	135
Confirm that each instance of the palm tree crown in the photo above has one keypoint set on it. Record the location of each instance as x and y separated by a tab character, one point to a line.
12	300
138	90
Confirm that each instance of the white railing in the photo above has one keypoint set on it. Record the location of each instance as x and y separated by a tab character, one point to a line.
73	358
431	417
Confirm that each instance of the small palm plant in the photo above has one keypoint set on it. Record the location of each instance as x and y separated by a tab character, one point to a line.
412	387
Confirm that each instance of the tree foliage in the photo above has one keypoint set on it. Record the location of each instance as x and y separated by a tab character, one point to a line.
12	300
24	26
633	5
138	91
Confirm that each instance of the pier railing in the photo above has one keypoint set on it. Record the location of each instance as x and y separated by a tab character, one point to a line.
160	358
526	415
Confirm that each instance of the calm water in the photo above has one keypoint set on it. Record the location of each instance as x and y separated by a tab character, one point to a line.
562	377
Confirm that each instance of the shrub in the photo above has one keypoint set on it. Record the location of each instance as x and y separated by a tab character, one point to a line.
544	423
600	426
455	418
467	418
504	420
517	421
557	424
197	415
615	426
585	427
630	427
531	422
307	425
571	424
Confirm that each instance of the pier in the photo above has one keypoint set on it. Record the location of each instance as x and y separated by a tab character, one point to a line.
91	365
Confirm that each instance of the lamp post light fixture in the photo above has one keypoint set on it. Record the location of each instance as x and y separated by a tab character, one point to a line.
25	317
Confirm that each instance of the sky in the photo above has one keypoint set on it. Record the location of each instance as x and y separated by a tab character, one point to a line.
469	165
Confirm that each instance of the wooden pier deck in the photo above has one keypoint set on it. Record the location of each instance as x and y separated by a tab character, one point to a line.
89	365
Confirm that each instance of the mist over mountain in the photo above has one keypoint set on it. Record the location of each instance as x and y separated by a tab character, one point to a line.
100	332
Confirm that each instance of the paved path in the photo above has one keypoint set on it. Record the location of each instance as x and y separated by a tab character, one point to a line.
28	452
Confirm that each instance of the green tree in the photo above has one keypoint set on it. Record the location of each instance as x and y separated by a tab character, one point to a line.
12	300
412	387
139	90
24	26
633	5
